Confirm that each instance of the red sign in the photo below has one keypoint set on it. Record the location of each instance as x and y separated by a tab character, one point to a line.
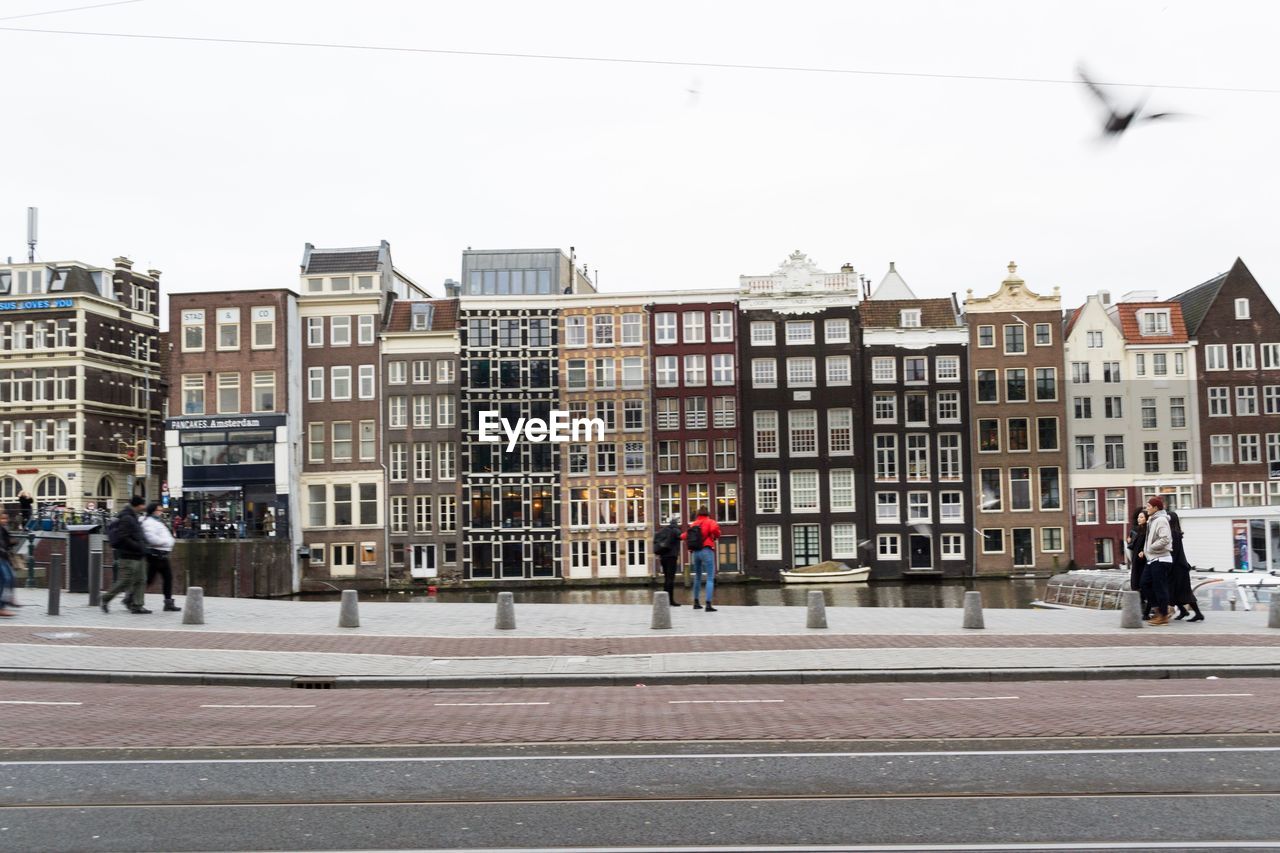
28	470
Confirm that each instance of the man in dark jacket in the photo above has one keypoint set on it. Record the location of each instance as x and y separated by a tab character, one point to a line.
130	547
666	544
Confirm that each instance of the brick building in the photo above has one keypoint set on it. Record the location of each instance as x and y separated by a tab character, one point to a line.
80	384
1017	410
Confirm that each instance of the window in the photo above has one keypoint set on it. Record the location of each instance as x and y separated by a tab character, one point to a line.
909	318
1179	364
799	332
397	412
988	435
1050	488
724	414
721	326
633	457
1113	452
340	331
1242	309
1160	364
422	461
422	507
1270	356
917	445
918	507
666	372
988	387
228	328
602	324
315	441
399	514
1020	489
695	327
341	441
1113	407
366	382
769	542
1224	494
885	408
1015	385
884	370
421	410
1148	409
950	507
633	372
1085	453
800	373
886	458
889	546
767	492
952	546
839	371
1110	372
842	496
1151	457
764	373
606	374
836	331
840	432
947	368
1248	451
1140	364
1015	339
762	333
1271	399
993	540
1219	402
948	407
986	336
1246	401
1080	372
990	489
633	415
804	491
228	393
950	468
1221	449
1177	412
664	328
887	507
1181	461
1251	494
193	331
193	394
695	413
1046	384
1086	506
844	540
1215	357
1154	322
264	391
340	382
695	370
1017	431
1083	407
802	432
317	506
766	433
1095	340
1242	355
365	329
915	369
446	410
668	413
726	454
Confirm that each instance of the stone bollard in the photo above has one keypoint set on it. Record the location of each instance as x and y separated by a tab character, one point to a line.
349	615
193	607
506	620
973	610
816	617
54	581
661	611
1273	615
1130	609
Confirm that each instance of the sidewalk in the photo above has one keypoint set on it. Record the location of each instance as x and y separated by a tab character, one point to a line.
429	644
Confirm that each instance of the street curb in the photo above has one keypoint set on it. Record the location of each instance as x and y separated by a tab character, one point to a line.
865	676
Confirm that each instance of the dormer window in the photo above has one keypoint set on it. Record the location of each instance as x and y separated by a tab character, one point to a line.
1242	309
1154	322
909	318
422	317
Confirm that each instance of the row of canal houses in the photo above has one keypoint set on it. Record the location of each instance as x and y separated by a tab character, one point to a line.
816	416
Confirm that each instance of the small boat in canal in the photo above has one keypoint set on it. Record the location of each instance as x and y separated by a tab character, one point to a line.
826	572
1099	589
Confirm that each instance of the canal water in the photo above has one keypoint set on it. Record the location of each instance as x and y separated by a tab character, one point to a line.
996	593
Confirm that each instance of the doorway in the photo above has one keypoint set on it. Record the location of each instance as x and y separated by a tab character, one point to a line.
1024	553
921	551
806	545
423	561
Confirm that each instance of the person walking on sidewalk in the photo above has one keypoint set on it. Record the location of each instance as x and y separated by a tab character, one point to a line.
1180	591
24	507
1138	580
1158	552
700	539
159	546
7	580
130	546
666	544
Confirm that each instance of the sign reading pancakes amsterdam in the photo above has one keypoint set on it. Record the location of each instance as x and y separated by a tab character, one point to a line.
245	422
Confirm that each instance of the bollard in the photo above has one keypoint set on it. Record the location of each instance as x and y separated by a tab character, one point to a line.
349	615
193	607
54	581
816	617
506	620
1131	609
661	611
973	610
1273	615
95	578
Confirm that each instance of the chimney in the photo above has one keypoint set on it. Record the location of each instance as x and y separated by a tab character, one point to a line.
1104	296
452	289
122	263
154	274
892	267
847	269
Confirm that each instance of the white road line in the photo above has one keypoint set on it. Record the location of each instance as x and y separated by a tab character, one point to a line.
958	698
665	756
471	705
721	701
24	702
1189	695
257	706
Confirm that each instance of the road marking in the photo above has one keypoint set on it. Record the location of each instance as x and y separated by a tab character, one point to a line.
720	701
958	698
257	706
1189	695
677	756
483	704
24	702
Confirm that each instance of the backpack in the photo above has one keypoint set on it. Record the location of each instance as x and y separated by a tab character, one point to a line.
116	532
693	537
665	541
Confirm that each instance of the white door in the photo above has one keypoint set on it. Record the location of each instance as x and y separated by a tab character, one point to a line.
424	561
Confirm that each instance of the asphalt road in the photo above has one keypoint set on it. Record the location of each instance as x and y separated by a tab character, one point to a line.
1151	795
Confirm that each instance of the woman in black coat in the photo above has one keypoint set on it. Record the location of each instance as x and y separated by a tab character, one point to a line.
1137	540
1180	591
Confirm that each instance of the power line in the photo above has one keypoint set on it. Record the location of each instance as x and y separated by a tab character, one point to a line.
73	9
617	60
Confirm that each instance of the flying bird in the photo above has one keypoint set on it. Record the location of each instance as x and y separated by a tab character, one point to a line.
1117	121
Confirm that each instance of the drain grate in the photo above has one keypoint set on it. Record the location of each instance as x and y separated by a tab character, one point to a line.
321	683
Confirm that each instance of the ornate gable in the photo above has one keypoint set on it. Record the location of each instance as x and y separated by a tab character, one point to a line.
1013	295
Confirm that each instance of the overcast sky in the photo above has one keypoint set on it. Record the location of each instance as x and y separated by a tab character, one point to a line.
216	162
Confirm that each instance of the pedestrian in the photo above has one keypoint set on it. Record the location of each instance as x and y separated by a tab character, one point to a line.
1137	565
1157	550
159	546
130	547
1180	591
700	538
666	544
24	507
7	580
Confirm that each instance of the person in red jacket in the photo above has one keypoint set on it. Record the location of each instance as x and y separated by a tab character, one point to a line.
702	549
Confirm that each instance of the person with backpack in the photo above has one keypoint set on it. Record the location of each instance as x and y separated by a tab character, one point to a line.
130	547
700	538
666	544
1181	593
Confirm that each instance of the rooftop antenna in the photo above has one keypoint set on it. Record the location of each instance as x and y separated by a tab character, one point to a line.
33	218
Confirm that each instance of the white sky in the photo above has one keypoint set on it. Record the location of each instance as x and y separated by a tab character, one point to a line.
216	162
